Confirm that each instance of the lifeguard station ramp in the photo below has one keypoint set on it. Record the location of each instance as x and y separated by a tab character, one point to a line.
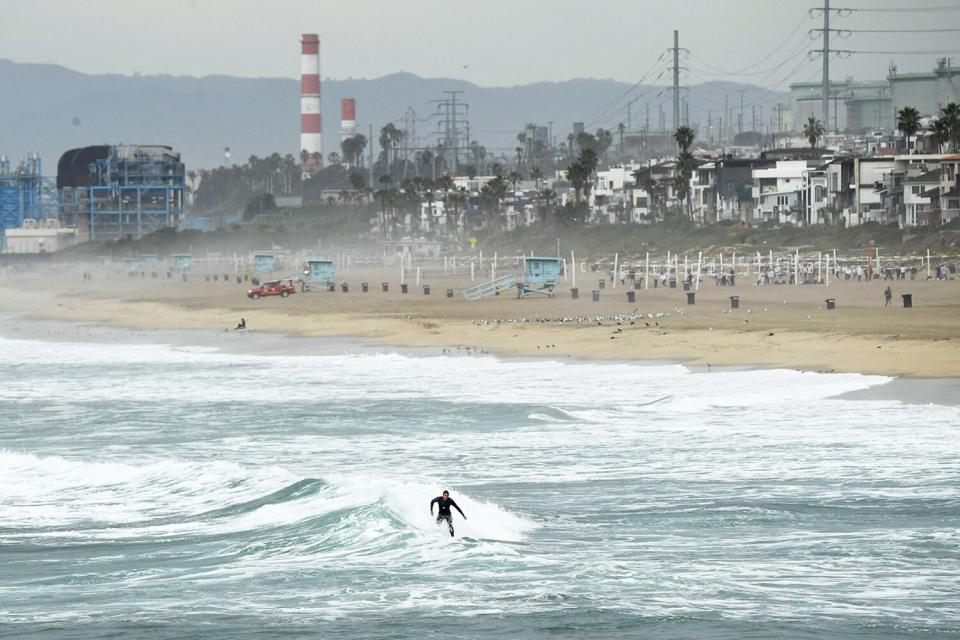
492	288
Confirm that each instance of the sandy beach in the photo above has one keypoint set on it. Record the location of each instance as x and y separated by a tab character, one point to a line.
780	325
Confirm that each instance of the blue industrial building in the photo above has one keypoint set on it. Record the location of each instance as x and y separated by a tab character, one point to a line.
24	194
122	190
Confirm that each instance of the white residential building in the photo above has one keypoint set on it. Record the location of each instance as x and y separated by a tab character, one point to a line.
776	192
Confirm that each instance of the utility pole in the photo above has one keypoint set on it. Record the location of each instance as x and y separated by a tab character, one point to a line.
726	114
676	80
826	66
630	113
740	119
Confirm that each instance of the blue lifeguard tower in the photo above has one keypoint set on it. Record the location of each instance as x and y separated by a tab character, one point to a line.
540	276
131	264
263	262
182	261
319	270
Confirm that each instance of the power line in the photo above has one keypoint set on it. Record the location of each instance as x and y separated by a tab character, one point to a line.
895	30
782	45
606	106
846	53
905	9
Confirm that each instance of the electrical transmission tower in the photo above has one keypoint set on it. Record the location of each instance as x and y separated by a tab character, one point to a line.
449	112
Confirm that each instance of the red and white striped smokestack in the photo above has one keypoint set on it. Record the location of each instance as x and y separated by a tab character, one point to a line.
348	118
311	139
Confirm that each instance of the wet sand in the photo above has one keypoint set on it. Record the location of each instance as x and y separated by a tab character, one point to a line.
782	326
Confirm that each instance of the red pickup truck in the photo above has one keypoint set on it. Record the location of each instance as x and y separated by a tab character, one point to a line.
281	288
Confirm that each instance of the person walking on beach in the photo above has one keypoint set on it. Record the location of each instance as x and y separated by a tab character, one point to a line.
887	296
444	503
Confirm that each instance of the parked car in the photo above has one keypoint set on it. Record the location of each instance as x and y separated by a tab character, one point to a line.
281	288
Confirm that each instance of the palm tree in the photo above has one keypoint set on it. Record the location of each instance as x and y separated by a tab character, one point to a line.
685	166
580	173
548	196
950	115
941	133
908	121
652	187
684	137
513	178
352	149
537	176
813	131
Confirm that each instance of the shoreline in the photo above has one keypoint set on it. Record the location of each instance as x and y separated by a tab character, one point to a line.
781	327
910	391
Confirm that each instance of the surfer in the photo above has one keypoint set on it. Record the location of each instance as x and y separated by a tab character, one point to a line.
444	503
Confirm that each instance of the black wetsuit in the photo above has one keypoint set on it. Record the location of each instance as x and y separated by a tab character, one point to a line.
443	513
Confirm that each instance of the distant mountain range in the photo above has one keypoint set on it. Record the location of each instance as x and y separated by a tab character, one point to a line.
49	109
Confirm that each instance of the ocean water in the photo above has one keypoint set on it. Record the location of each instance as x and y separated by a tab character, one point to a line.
151	491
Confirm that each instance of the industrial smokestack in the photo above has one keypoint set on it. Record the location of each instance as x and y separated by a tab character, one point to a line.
348	118
311	142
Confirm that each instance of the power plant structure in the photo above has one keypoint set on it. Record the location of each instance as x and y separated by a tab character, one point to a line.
311	137
123	190
24	194
348	118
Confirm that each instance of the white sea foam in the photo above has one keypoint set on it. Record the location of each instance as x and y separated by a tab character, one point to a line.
195	482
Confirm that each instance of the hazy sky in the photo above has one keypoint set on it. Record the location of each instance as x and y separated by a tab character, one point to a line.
489	42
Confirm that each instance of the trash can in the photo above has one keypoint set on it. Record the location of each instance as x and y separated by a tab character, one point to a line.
734	302
426	289
215	277
449	293
831	303
403	288
691	297
673	283
596	295
686	285
637	285
386	286
344	287
602	283
907	300
364	287
331	287
631	296
574	293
